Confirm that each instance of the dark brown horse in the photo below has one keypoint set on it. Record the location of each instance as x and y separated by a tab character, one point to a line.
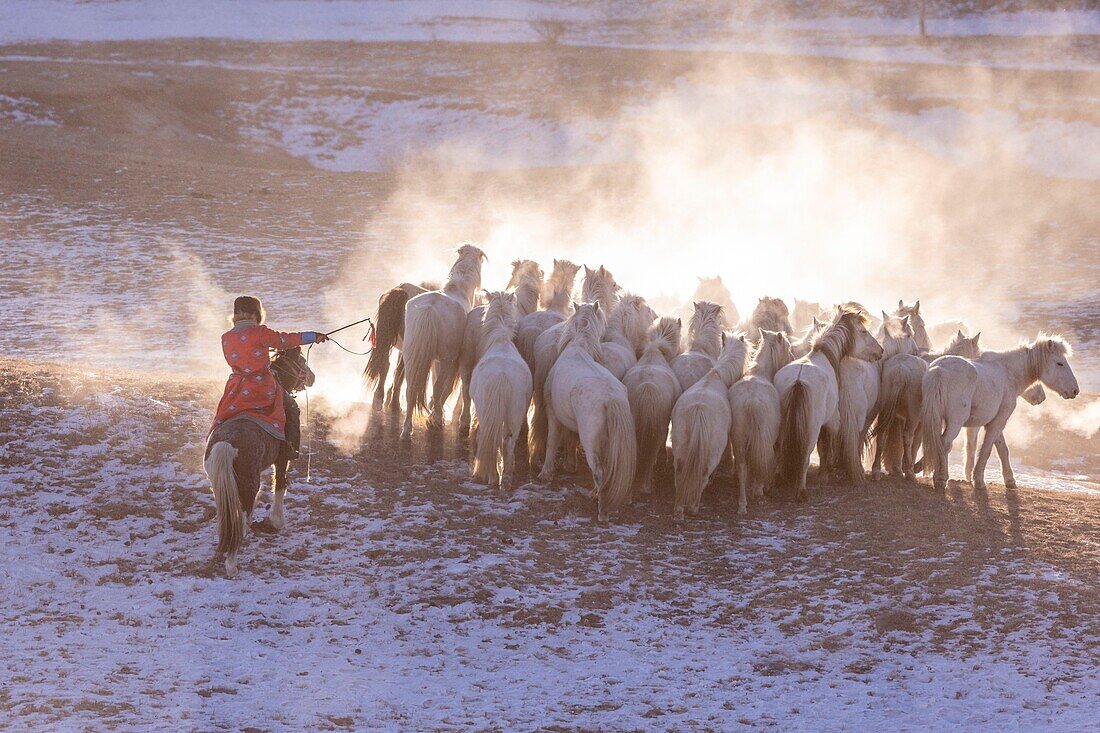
238	451
389	334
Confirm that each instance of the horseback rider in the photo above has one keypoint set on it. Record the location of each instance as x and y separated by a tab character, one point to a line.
252	392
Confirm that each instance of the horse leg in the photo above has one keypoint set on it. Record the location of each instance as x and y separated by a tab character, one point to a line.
463	406
570	461
971	447
990	434
410	408
742	484
1006	465
442	386
553	438
393	399
876	463
908	447
380	388
940	474
508	477
279	490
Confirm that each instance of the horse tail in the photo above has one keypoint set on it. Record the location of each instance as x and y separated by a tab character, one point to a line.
648	413
219	467
849	440
620	457
758	441
492	426
389	326
419	353
795	443
690	460
889	406
933	399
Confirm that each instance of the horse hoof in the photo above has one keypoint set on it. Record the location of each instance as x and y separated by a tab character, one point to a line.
545	477
678	514
277	523
1010	484
939	485
378	405
979	486
742	509
230	569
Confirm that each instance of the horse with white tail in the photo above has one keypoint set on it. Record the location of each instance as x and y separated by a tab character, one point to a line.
899	400
500	388
754	413
809	395
701	426
653	389
526	283
982	392
598	286
434	326
583	397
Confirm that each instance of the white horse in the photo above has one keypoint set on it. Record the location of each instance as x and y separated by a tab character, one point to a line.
916	324
802	345
583	397
701	426
713	290
805	313
598	286
899	401
705	344
555	302
652	388
500	387
527	283
770	314
626	334
754	412
809	394
434	325
982	392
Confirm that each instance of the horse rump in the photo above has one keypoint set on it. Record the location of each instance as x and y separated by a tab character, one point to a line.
389	327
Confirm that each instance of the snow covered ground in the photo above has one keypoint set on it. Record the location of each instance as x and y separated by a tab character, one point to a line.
403	597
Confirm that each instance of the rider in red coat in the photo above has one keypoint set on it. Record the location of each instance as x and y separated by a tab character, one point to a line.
252	392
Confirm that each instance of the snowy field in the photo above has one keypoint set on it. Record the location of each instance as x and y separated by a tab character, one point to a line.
402	597
157	159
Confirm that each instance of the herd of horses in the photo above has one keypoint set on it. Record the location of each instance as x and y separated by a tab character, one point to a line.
604	376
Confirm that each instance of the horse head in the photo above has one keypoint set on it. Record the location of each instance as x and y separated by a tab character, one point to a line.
291	370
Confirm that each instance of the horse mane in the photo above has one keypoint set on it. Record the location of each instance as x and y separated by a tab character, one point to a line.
664	337
771	314
500	319
558	287
526	283
585	327
631	318
731	362
1035	353
896	336
705	328
465	275
599	285
771	353
837	340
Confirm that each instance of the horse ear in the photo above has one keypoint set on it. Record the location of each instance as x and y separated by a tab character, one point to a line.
596	307
916	308
718	278
763	333
901	304
906	328
587	271
680	322
724	339
576	306
976	337
885	317
959	334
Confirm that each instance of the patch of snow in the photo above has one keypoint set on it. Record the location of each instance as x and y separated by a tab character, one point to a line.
23	111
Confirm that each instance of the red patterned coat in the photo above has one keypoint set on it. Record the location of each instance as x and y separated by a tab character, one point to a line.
252	391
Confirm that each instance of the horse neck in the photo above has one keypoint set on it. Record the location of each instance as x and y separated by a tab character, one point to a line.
894	345
706	337
527	297
463	279
834	345
600	290
766	363
731	364
496	330
1024	365
587	340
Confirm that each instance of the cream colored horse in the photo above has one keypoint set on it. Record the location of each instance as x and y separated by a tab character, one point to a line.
598	286
526	283
586	399
916	324
701	426
652	388
556	304
754	412
626	334
705	344
434	325
500	388
899	400
809	395
982	392
770	314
